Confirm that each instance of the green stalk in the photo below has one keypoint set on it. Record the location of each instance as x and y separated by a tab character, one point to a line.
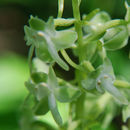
67	58
60	8
78	27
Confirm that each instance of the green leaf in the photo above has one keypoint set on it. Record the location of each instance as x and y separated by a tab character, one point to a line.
53	84
52	50
103	70
64	39
106	68
101	50
52	80
30	86
39	42
99	54
106	83
29	33
66	92
39	77
50	28
54	54
43	53
41	107
90	82
101	17
40	66
93	79
36	23
116	38
39	25
97	22
40	71
41	91
54	109
89	16
90	50
126	113
32	37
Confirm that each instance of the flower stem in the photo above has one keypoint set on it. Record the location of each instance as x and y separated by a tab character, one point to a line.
78	27
67	58
60	8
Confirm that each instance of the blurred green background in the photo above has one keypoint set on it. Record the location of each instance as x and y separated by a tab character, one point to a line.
14	14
